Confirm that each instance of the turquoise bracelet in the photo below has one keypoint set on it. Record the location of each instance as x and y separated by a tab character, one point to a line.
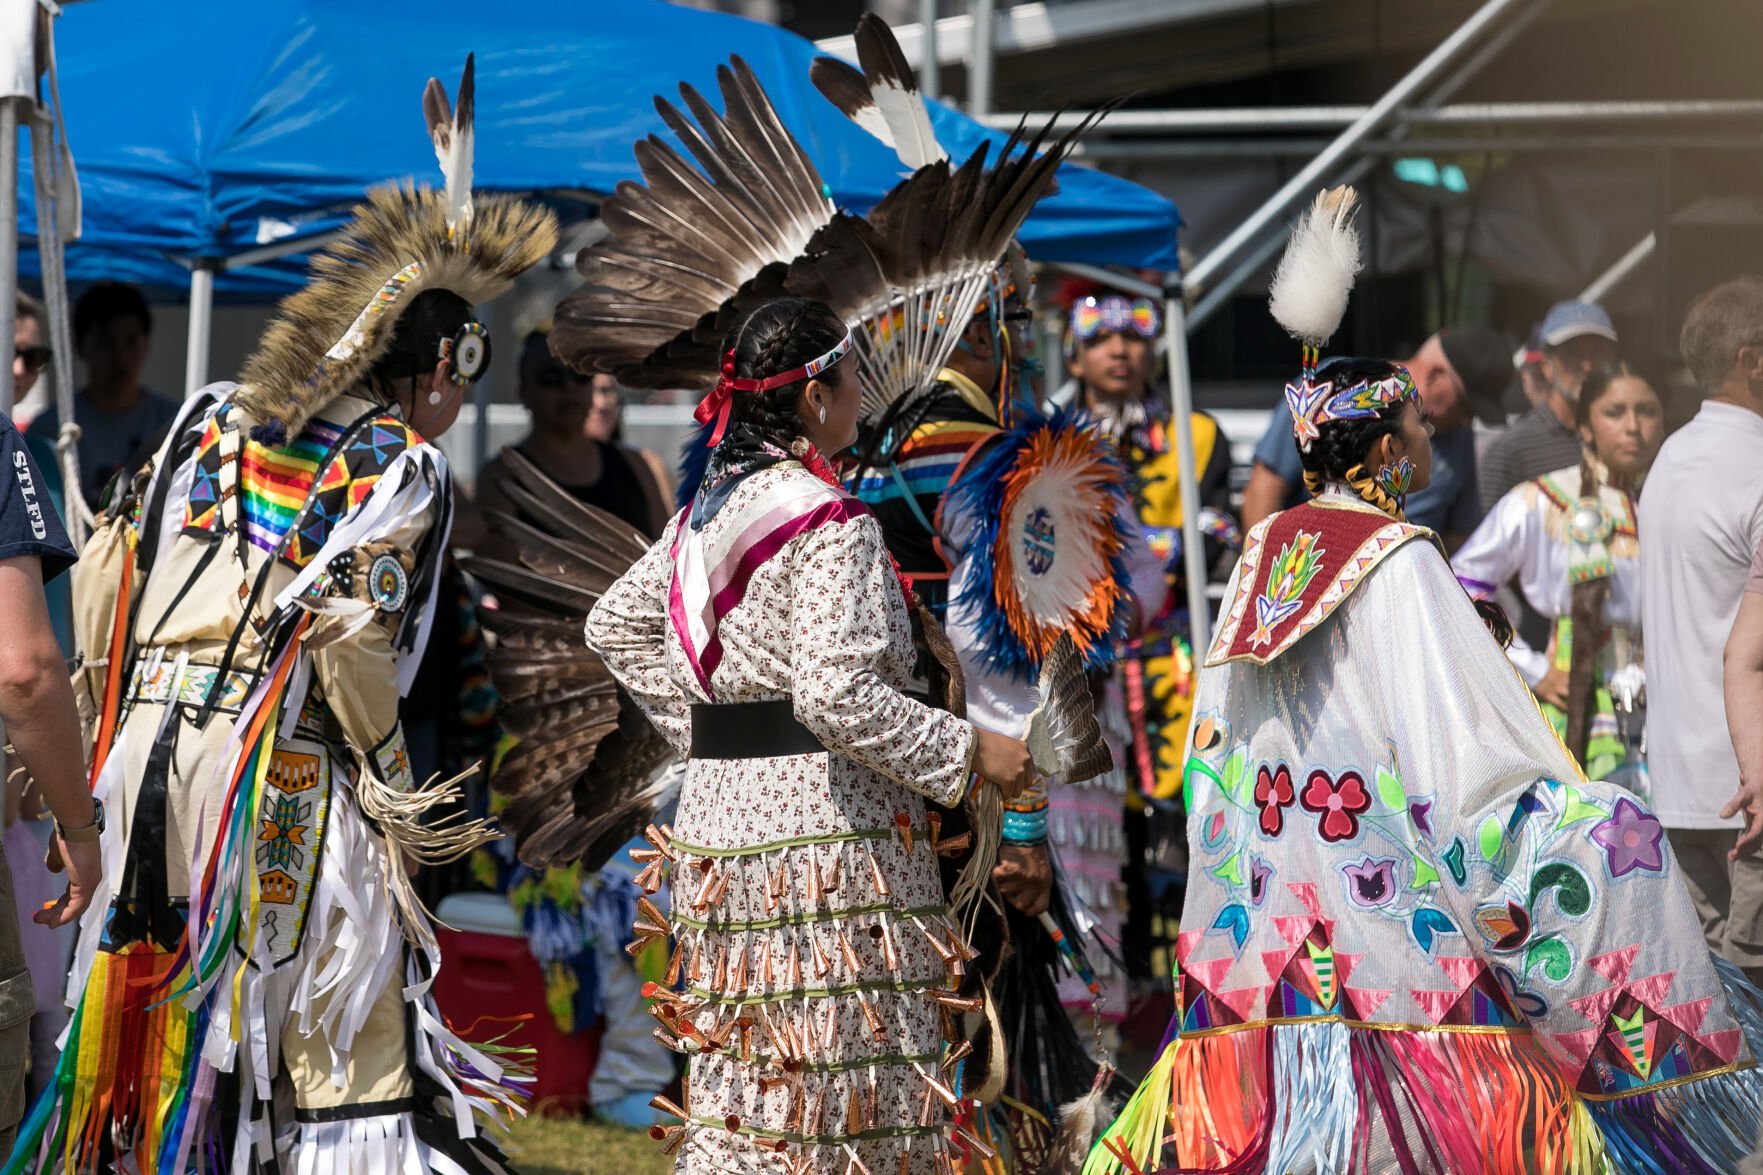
1025	828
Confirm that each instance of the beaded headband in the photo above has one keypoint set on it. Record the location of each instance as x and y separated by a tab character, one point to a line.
717	404
1315	402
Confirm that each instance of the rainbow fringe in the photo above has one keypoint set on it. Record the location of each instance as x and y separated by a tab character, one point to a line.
1330	1096
129	1069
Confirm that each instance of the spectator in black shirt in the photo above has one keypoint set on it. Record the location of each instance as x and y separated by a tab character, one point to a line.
37	709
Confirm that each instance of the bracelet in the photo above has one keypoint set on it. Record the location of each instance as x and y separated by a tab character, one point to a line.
1025	828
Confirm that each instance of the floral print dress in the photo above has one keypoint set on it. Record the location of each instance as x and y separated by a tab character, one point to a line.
813	961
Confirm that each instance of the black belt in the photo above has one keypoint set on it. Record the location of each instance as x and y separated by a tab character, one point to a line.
750	730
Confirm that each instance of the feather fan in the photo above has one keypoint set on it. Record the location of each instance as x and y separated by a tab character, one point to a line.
1308	296
884	98
1063	736
585	774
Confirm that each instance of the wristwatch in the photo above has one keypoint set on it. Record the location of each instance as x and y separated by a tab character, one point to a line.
90	832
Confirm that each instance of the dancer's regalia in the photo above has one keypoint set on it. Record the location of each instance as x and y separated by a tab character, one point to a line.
1564	534
683	260
251	983
1415	937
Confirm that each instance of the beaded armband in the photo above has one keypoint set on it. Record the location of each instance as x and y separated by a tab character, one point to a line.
1025	820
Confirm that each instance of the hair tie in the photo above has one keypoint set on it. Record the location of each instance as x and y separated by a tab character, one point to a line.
719	402
721	398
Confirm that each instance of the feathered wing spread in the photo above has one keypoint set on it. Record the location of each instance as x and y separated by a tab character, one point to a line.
912	273
1063	736
684	241
746	218
883	98
584	775
1308	296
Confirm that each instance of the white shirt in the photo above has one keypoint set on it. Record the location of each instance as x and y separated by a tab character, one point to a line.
1701	518
1524	538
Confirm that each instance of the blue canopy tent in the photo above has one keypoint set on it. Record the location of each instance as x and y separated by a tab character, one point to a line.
216	142
220	137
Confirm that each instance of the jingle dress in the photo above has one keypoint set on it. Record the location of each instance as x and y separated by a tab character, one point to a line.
1529	538
808	916
1415	936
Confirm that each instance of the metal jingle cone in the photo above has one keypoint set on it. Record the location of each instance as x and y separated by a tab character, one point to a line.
903	824
849	953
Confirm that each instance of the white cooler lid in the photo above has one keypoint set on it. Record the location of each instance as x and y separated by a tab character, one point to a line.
481	913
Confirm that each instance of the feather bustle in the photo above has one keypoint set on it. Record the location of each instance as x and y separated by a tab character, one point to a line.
582	777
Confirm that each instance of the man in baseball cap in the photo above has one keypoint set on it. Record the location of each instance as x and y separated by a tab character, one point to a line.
1576	339
1461	373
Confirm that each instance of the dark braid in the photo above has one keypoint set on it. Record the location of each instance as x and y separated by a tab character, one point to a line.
781	334
1338	453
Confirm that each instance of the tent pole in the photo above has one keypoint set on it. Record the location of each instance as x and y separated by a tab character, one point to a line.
8	240
201	327
1181	395
979	61
930	70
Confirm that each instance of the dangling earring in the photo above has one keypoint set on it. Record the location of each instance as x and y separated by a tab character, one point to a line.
823	414
1396	480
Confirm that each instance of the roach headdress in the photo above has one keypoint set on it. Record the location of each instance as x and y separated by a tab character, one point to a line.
406	238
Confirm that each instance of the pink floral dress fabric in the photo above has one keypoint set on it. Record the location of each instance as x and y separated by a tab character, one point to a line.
810	934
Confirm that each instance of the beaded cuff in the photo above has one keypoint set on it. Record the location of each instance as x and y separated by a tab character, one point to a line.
1025	827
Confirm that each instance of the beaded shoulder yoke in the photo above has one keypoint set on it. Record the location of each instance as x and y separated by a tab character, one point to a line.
1297	568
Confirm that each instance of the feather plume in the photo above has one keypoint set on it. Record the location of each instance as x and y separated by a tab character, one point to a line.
1063	736
1308	296
585	774
1079	1123
450	128
884	98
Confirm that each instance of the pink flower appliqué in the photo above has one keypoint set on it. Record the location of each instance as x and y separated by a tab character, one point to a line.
1337	801
1273	794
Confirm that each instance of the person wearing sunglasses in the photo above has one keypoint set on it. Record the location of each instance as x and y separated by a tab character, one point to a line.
30	356
573	442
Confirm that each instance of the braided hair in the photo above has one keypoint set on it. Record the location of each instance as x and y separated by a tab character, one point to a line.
1338	454
779	335
1587	613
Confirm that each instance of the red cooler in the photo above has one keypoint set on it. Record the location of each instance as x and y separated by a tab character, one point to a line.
486	970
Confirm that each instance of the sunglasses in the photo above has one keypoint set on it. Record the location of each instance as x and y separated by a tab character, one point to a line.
35	358
1115	315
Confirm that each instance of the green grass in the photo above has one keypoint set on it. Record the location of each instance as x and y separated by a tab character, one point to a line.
572	1146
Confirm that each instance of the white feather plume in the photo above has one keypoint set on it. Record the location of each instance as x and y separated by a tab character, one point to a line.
1308	296
451	129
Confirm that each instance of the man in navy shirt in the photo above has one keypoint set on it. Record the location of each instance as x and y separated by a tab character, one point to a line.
37	708
1462	373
